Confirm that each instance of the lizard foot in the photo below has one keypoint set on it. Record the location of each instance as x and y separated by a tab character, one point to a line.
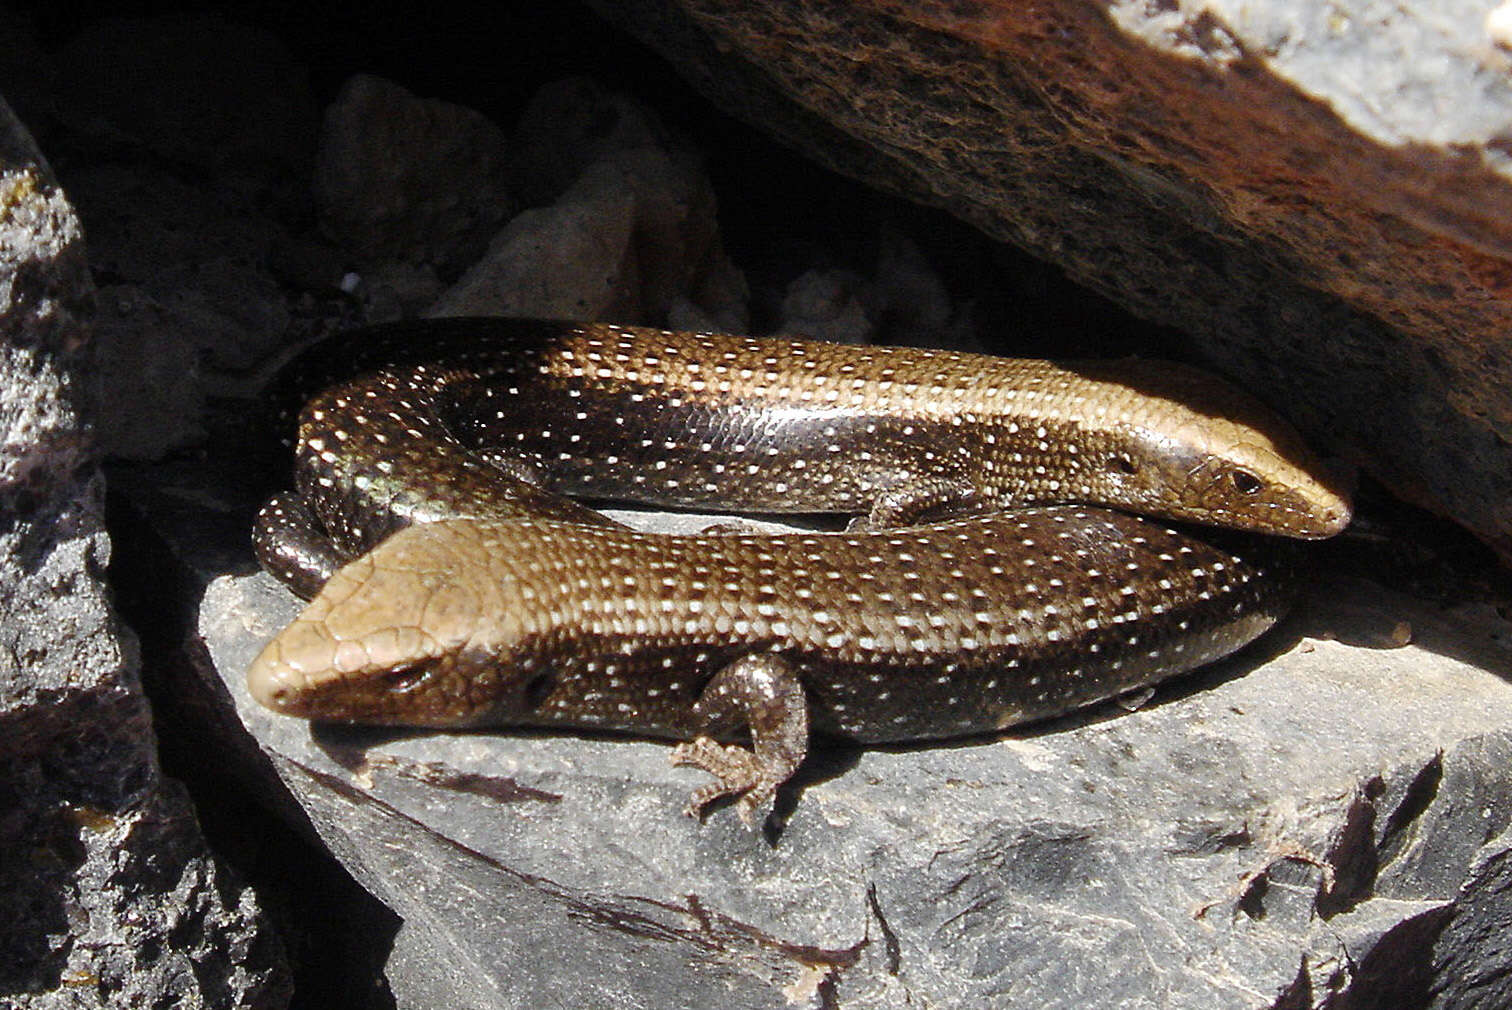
739	774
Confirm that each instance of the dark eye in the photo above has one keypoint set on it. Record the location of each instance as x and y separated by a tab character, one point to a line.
1245	482
1123	463
405	678
539	689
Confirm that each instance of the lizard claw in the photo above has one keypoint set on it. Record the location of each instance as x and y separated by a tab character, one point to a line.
739	773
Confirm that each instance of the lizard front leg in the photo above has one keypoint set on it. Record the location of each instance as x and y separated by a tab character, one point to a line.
762	692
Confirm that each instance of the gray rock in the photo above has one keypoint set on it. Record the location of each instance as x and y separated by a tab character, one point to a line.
634	232
572	260
826	305
567	126
190	291
720	302
108	896
156	342
675	227
911	297
152	368
400	177
904	301
1316	194
1313	823
149	226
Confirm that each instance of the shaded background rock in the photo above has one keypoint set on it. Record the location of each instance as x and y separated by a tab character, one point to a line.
1317	195
397	177
108	894
183	283
572	260
632	229
223	97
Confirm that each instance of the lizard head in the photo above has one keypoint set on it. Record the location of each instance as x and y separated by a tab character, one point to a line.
1172	441
403	635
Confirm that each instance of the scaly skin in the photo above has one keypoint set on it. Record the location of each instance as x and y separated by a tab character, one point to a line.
506	604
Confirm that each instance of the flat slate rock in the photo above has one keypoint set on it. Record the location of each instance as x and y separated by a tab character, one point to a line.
1322	818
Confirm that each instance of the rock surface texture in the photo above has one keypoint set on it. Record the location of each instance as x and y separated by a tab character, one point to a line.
108	896
1319	195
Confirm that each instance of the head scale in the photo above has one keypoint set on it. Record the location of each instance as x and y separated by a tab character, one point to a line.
1183	444
358	652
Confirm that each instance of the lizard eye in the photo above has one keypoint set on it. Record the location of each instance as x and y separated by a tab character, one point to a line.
539	689
1123	463
1245	482
403	679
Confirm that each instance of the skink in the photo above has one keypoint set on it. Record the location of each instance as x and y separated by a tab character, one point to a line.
519	607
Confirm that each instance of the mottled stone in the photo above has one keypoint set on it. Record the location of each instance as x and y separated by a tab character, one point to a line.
108	896
570	124
826	305
188	289
634	232
572	260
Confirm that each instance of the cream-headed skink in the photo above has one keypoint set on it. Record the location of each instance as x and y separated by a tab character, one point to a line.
504	603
